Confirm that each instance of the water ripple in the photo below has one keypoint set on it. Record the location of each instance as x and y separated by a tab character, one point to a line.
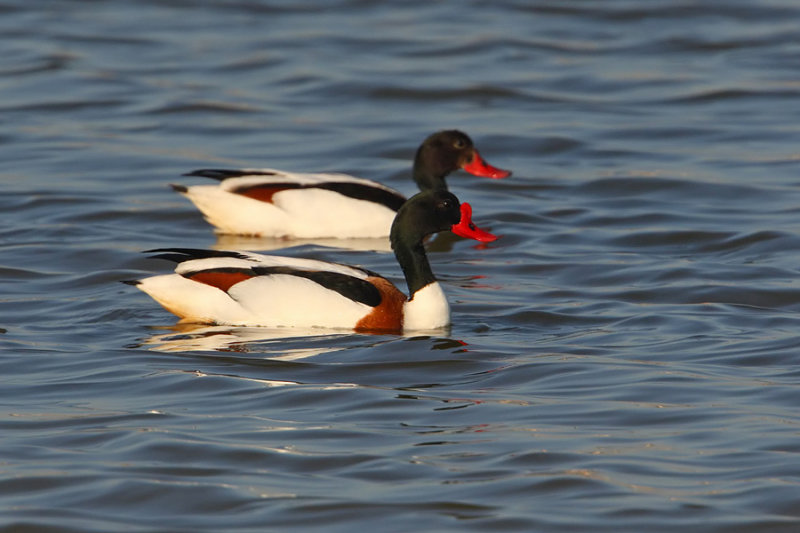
630	343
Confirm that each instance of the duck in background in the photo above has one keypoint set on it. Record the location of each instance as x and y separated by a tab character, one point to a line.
274	203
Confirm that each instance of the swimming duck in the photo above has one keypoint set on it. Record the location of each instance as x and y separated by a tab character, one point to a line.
248	289
274	203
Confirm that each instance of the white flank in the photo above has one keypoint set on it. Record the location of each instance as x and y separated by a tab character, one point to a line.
275	300
302	213
285	300
193	301
427	310
237	214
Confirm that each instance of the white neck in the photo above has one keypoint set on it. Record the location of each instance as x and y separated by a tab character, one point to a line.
428	309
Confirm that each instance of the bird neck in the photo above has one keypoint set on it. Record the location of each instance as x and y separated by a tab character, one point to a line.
415	265
426	175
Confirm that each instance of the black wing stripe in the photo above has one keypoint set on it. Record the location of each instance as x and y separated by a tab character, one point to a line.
359	191
222	174
350	287
179	255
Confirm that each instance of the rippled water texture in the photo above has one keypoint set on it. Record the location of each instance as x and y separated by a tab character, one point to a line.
624	358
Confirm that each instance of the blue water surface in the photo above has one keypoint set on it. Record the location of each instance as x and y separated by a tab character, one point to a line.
624	358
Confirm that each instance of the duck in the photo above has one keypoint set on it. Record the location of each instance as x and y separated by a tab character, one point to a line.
274	203
237	288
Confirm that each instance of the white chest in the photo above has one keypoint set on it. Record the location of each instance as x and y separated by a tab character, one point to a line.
428	310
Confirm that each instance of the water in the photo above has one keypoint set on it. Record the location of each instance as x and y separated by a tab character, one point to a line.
624	359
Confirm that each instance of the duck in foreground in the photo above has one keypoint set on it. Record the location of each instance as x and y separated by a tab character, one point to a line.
274	203
247	289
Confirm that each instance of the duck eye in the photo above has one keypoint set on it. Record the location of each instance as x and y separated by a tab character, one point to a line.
459	144
446	204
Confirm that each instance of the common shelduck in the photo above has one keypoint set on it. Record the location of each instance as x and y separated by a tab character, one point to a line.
274	203
248	289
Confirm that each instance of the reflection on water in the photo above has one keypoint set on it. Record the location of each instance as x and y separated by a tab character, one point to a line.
284	344
197	337
256	244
